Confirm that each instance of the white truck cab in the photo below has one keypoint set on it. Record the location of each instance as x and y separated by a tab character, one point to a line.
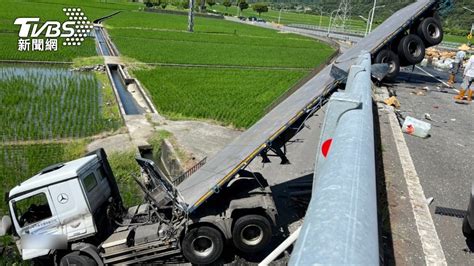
72	213
60	201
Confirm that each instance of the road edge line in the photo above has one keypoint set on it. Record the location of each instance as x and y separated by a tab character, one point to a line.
432	249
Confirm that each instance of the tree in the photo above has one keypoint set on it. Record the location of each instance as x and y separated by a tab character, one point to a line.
211	2
260	8
151	3
202	6
164	3
242	4
227	3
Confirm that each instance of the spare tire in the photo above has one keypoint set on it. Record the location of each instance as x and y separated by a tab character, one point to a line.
430	31
390	58
202	245
411	49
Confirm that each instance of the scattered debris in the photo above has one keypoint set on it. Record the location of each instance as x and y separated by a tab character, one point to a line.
98	68
418	93
426	88
413	126
392	101
428	117
429	200
453	119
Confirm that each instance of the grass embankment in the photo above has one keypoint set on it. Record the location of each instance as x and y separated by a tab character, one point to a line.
50	10
235	97
455	38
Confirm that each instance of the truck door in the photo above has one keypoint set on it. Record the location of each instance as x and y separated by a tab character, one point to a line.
34	214
72	209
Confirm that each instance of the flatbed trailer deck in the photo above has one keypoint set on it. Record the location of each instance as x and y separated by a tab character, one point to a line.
239	153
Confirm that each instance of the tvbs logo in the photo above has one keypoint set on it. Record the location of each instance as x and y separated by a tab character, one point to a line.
37	36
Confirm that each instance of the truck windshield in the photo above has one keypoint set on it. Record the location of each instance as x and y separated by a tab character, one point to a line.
32	209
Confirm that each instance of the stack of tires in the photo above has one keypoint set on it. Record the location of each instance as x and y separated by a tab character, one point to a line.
409	49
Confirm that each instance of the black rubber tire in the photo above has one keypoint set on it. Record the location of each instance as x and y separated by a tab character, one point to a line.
78	259
247	227
206	235
430	31
391	58
411	49
466	229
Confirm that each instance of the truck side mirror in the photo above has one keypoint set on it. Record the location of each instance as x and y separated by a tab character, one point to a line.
5	225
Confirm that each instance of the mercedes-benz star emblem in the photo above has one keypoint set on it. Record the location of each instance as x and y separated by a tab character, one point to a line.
63	198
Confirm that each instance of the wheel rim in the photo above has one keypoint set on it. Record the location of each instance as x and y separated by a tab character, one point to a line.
414	49
251	234
389	61
433	30
202	246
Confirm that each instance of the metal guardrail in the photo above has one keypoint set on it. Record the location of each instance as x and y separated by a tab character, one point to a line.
177	180
355	35
346	31
340	225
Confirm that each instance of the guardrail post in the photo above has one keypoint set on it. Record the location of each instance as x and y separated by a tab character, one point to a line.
341	226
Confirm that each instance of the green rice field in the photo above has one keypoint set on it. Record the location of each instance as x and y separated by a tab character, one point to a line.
52	103
20	162
162	38
234	97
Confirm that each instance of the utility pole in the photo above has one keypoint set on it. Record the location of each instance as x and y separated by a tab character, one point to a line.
472	11
191	16
372	17
343	14
368	28
279	15
331	20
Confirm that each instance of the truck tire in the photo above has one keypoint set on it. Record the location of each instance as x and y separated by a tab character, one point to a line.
251	233
76	258
430	31
202	245
411	49
391	58
466	229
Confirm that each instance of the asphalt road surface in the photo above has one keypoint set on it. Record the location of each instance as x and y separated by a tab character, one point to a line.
444	160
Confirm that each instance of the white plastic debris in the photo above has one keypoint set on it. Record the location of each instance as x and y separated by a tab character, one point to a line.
415	127
429	200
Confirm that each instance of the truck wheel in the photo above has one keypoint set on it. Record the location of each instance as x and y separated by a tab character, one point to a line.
390	58
430	31
411	49
76	258
202	245
466	228
251	233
